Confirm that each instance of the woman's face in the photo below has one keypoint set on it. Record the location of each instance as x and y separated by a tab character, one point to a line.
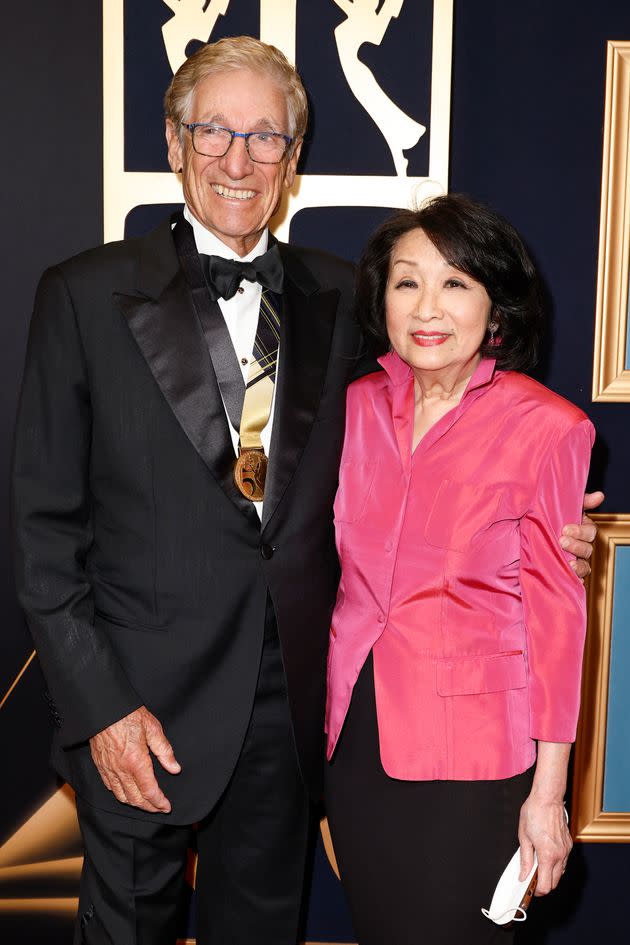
436	315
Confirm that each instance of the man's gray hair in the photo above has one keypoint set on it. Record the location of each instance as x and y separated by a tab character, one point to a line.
237	52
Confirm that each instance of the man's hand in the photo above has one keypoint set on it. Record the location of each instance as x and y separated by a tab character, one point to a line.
121	754
578	539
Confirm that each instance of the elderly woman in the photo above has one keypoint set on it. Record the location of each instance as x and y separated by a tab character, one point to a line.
456	639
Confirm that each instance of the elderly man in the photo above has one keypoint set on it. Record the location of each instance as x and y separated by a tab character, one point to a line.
176	459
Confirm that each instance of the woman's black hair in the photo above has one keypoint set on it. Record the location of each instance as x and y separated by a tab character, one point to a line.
478	241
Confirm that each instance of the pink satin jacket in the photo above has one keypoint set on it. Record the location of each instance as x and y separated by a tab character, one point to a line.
452	573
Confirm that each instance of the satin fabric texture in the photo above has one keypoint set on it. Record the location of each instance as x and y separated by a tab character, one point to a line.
453	575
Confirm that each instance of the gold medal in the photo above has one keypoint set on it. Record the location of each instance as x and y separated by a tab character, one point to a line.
250	472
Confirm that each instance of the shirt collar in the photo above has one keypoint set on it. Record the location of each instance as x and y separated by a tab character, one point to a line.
211	245
399	371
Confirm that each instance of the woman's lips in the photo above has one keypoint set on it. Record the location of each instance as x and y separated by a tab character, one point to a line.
429	339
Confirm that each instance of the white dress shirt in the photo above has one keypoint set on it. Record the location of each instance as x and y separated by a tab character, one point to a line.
240	314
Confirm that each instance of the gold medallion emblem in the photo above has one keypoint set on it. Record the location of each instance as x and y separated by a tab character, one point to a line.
250	473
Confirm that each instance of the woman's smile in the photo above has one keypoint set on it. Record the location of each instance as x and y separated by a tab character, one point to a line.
427	339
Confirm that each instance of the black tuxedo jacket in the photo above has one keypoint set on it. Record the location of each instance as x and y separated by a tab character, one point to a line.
142	570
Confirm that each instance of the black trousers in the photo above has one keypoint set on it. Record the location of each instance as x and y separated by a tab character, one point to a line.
418	859
251	847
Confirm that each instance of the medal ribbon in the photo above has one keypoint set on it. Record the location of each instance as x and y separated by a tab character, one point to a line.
248	407
262	374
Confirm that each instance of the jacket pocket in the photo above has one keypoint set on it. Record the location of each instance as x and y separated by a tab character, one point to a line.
355	484
129	624
460	510
471	675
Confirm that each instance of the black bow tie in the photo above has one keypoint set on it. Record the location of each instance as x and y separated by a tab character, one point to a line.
225	275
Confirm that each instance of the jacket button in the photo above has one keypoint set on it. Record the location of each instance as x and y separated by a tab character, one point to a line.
267	551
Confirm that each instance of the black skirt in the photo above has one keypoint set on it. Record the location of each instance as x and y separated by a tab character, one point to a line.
418	859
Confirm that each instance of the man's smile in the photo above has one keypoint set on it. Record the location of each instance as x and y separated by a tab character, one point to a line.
223	191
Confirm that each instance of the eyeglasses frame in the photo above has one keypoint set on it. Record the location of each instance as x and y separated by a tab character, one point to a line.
245	135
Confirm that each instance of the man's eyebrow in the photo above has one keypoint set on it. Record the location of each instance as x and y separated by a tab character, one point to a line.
265	123
216	119
268	123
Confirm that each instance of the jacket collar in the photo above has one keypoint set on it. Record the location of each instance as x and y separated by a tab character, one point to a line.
162	318
399	372
306	330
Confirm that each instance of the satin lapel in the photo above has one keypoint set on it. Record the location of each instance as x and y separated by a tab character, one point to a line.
169	335
308	319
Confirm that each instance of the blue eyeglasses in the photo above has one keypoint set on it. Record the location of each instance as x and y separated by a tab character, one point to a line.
263	147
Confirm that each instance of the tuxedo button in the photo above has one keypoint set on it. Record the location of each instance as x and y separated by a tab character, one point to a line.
267	551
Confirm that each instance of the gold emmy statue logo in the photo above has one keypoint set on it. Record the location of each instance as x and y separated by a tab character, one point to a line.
193	19
365	25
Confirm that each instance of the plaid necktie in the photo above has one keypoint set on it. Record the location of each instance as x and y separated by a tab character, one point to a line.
251	466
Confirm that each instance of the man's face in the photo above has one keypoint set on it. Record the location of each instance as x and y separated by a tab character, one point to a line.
232	196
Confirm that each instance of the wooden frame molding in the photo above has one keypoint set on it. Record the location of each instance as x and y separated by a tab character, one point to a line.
611	378
589	822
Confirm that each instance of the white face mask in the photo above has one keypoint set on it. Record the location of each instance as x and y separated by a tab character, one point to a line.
512	896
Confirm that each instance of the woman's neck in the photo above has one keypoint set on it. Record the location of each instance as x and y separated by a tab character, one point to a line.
447	384
436	393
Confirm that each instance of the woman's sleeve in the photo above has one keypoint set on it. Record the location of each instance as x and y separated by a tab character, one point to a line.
553	596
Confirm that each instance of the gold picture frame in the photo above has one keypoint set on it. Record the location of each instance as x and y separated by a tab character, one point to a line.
611	371
589	821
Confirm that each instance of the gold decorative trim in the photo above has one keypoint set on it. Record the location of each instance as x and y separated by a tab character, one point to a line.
589	822
17	679
50	833
328	846
66	907
39	873
611	378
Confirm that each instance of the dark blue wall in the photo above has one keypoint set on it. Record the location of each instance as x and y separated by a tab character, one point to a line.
528	107
527	123
528	98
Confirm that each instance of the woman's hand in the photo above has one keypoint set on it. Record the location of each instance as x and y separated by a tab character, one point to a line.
543	823
543	827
